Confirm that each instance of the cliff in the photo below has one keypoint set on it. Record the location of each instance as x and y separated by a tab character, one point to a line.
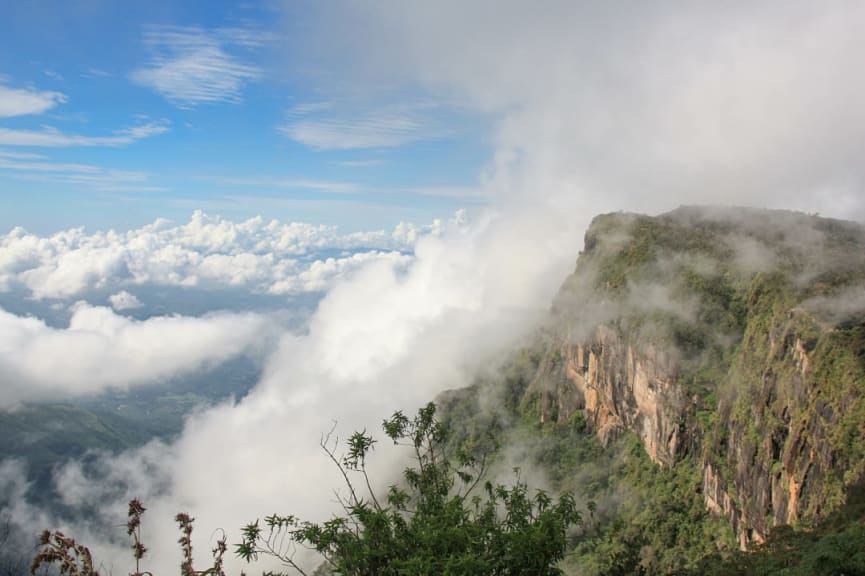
732	338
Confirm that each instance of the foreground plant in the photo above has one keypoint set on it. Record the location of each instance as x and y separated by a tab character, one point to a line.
70	558
435	524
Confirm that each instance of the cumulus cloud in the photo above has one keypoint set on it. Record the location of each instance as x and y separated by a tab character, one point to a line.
208	251
100	349
123	300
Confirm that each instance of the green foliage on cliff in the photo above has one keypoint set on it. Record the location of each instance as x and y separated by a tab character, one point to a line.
644	519
433	523
660	525
761	315
832	548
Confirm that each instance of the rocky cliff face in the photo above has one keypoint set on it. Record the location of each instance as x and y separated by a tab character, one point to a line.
726	336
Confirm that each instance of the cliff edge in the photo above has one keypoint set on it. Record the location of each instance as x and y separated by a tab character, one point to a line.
732	337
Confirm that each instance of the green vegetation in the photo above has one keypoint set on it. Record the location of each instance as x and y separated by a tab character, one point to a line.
433	524
769	356
832	548
645	519
660	524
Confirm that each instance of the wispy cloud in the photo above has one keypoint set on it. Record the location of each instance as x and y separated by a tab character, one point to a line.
287	183
96	73
49	137
20	155
191	65
360	163
465	192
375	129
31	167
19	102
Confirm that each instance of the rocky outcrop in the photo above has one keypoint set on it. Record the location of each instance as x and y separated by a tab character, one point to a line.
620	387
760	468
767	432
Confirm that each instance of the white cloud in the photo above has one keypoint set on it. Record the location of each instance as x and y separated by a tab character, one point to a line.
321	274
290	183
465	192
394	126
642	108
192	65
389	336
33	167
360	163
102	350
15	155
49	137
123	300
207	252
95	73
20	102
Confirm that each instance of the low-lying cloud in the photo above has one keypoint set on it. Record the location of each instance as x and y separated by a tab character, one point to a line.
101	350
388	337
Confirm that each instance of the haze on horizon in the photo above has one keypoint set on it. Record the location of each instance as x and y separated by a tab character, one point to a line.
427	170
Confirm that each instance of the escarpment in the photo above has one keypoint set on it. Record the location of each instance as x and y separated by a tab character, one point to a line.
734	338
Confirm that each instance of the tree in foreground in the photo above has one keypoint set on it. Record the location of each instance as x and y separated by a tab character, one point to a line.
440	520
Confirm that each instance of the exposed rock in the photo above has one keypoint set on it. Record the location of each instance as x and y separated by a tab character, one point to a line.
772	446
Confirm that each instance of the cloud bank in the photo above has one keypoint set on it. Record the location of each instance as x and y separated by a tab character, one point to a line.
388	337
207	252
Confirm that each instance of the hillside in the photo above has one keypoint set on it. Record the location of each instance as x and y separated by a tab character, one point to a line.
702	378
47	435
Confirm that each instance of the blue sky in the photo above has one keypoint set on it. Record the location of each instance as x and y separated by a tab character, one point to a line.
114	113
